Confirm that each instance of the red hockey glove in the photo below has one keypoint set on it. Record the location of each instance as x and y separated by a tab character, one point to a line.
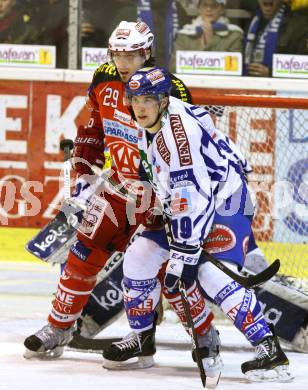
152	219
89	146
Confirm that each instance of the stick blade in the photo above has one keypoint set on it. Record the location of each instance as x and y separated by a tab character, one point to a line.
265	275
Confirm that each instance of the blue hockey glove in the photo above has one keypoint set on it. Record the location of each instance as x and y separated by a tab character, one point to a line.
183	264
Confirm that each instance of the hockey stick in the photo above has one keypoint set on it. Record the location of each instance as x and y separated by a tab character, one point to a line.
66	145
90	345
247	282
252	280
192	332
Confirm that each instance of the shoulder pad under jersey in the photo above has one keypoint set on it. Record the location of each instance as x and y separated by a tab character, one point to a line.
105	72
179	89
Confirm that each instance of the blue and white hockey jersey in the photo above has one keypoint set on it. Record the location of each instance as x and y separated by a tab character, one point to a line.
191	174
222	139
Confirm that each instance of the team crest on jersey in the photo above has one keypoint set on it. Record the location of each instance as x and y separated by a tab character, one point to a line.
220	239
126	158
162	148
181	140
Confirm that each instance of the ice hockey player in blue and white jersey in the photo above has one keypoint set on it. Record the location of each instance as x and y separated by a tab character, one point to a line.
204	198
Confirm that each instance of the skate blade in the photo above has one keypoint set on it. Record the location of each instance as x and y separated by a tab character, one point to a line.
212	381
136	362
212	367
44	355
277	374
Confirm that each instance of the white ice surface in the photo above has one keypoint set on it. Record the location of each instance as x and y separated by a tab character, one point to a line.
25	296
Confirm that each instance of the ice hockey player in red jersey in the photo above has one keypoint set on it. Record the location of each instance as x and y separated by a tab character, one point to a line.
106	226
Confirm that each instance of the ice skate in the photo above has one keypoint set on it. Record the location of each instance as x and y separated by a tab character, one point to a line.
48	342
135	350
270	363
209	345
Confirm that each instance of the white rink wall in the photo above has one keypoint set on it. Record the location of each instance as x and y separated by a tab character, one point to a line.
293	87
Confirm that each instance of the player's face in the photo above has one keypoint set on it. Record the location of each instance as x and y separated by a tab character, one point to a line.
146	110
127	63
269	7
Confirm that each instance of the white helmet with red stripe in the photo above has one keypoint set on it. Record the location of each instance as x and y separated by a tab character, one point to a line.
130	36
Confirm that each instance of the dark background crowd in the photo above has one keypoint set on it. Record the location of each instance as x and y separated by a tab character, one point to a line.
257	28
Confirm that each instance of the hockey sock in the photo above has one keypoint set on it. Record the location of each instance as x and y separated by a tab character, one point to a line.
76	284
243	308
201	314
72	294
140	300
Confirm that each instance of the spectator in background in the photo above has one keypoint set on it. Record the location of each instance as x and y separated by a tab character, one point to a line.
54	28
187	11
36	22
274	29
99	19
162	18
252	5
210	31
19	22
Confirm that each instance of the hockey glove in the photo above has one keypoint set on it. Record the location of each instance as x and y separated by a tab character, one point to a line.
88	146
153	219
183	264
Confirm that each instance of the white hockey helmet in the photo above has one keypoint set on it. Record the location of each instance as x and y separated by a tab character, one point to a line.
130	36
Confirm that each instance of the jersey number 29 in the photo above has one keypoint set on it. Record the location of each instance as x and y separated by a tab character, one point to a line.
111	98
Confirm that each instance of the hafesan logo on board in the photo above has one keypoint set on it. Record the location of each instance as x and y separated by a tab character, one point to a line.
39	56
289	65
209	62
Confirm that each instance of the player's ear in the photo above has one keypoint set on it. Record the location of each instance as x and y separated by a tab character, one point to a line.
147	54
164	102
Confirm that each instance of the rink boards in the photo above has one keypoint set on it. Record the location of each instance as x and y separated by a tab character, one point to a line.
13	241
